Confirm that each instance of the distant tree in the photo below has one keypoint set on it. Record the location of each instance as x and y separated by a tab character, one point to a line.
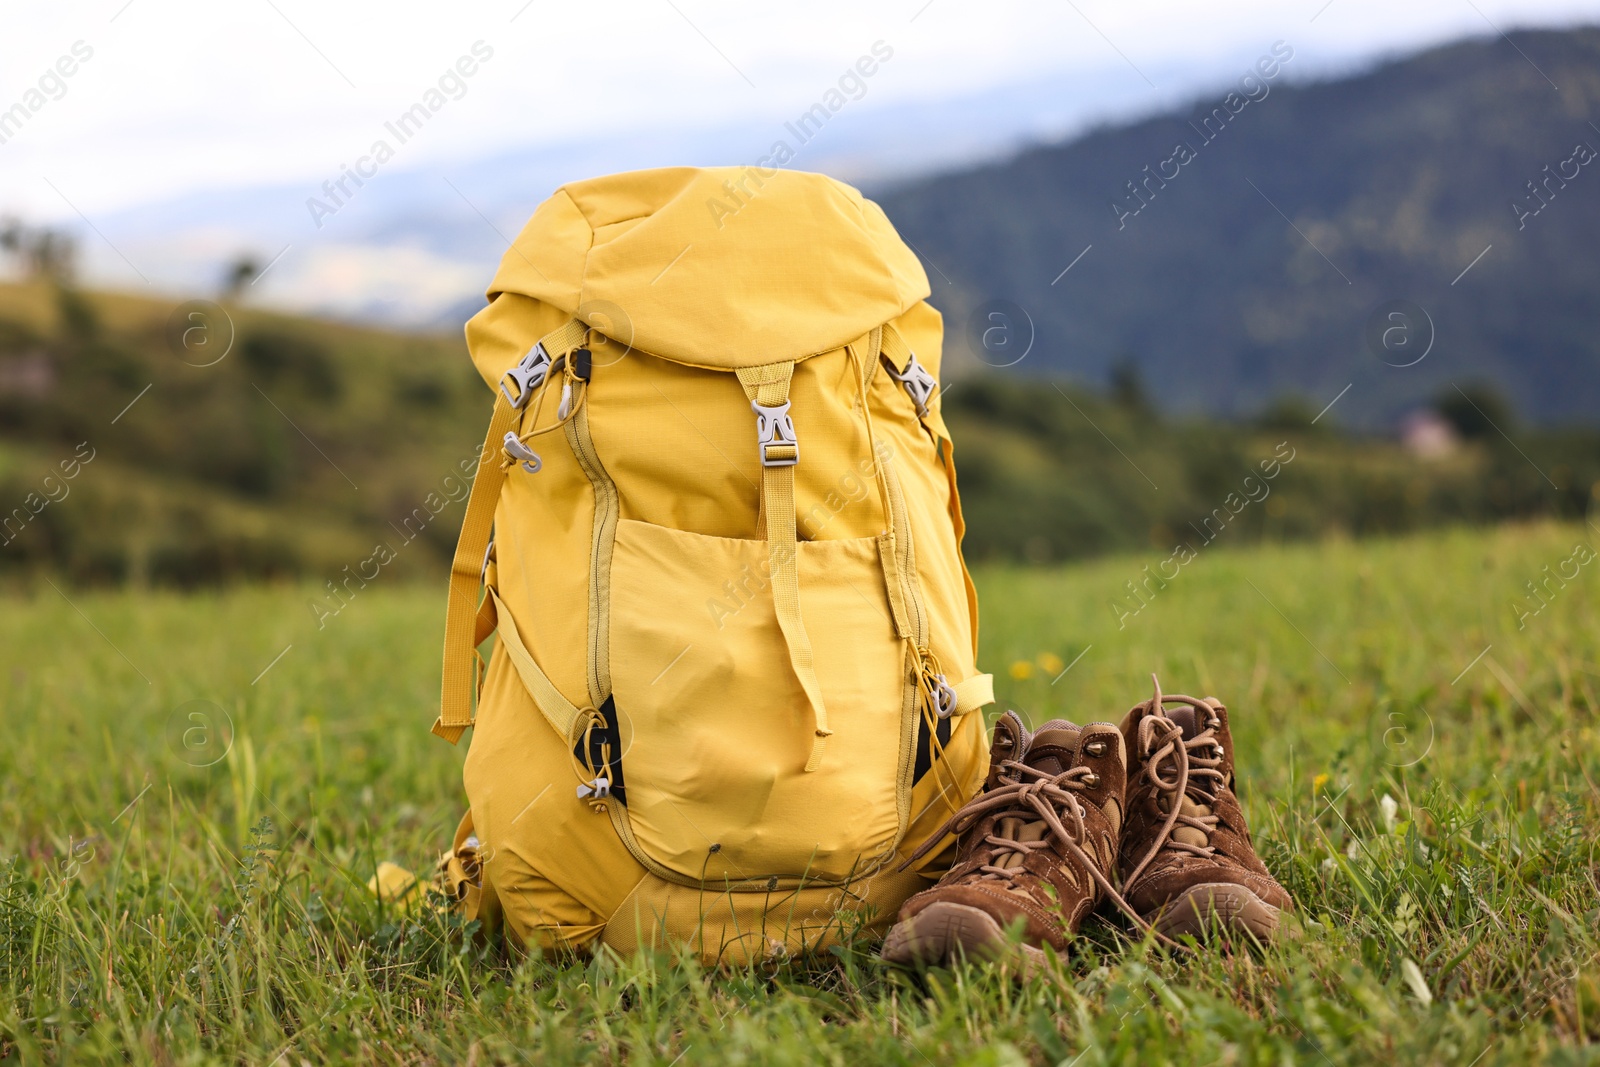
243	270
1476	410
1288	412
44	252
76	315
1127	384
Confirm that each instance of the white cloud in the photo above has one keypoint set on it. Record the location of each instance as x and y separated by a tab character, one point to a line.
397	282
184	102
190	95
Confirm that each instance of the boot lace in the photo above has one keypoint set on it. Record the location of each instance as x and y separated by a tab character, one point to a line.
1028	791
1179	770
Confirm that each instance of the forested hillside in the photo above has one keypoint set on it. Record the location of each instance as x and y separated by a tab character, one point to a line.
132	451
1244	247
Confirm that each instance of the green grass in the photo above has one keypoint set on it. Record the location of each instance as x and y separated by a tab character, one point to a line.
156	911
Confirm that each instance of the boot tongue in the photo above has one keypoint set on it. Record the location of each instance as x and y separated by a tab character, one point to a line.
1187	720
1053	746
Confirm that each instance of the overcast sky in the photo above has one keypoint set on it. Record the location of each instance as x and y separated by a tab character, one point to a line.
176	99
180	96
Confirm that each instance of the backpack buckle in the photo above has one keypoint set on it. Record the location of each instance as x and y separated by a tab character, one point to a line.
527	375
918	381
518	451
775	435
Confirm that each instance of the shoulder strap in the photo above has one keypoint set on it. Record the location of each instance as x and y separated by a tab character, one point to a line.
557	710
768	390
902	365
472	547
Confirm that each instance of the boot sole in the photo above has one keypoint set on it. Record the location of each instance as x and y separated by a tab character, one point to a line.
1216	907
941	933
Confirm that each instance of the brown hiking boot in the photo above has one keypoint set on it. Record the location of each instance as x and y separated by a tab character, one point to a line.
1035	848
1190	868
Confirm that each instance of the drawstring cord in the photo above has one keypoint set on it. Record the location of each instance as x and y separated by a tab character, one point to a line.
593	785
571	385
930	683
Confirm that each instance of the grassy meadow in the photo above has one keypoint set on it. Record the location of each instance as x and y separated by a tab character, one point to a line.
197	788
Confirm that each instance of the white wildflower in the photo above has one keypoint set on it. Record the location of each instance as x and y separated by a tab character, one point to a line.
1390	808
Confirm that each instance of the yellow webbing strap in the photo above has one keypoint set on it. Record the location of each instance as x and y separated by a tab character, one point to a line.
974	693
959	521
485	623
466	571
893	348
558	711
768	387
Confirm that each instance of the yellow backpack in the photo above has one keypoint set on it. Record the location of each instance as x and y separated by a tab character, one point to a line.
734	682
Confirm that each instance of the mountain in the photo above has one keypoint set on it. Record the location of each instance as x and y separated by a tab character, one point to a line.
1252	261
1259	242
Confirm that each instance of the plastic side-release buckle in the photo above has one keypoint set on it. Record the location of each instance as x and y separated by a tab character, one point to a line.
527	375
775	435
918	381
517	450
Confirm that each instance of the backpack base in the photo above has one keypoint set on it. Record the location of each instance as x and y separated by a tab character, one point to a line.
721	928
534	860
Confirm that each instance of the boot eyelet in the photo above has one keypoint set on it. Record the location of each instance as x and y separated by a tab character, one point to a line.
1091	780
1095	748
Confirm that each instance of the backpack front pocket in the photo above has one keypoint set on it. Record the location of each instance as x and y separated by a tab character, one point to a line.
718	728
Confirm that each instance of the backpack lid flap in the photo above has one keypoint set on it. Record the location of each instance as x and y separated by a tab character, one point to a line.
721	267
